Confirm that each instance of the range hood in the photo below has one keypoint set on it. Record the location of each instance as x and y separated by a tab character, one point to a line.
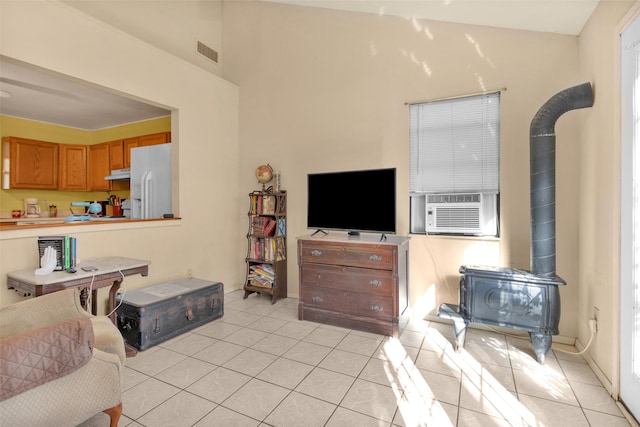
119	174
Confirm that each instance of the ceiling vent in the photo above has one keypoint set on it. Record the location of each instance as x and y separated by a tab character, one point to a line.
207	52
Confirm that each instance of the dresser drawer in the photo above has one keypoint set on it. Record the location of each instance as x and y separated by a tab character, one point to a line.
369	305
378	282
367	256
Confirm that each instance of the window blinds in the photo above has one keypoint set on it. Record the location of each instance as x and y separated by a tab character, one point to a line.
455	145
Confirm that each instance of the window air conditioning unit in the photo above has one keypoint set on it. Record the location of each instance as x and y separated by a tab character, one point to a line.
469	213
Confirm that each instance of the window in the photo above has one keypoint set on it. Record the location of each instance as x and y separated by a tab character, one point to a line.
455	165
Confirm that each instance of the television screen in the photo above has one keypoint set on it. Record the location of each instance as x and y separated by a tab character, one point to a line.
362	200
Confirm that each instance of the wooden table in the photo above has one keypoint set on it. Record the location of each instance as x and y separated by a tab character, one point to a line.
111	272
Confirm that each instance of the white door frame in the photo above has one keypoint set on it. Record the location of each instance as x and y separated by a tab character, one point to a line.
629	371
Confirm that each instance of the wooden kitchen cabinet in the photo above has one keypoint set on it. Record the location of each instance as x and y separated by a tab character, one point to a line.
43	165
142	141
154	138
32	164
127	145
99	167
73	167
116	154
354	282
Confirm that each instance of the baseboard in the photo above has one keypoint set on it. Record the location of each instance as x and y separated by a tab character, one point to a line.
607	385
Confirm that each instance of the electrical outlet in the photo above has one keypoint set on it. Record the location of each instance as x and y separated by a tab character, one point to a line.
593	326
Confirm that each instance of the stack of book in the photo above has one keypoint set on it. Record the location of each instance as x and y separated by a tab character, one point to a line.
263	204
262	226
261	275
66	250
267	249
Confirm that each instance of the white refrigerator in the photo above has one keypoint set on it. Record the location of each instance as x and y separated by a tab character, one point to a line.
151	181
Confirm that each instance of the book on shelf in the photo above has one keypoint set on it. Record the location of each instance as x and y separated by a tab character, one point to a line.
282	204
261	275
270	227
65	247
262	270
281	250
282	227
262	226
269	205
259	225
256	204
263	248
260	282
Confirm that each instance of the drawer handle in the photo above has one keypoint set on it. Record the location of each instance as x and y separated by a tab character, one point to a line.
376	283
375	258
376	308
316	252
317	300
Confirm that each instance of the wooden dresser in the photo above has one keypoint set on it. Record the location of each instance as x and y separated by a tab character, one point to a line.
355	282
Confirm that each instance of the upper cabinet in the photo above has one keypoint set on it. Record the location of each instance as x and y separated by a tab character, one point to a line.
127	145
154	138
141	141
99	167
41	165
73	167
116	155
33	164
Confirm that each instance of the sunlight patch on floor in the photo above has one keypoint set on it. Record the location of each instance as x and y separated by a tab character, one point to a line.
480	390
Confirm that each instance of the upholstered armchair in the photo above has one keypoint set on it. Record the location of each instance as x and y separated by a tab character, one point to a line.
59	365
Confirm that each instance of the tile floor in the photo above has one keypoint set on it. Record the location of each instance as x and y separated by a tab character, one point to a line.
260	366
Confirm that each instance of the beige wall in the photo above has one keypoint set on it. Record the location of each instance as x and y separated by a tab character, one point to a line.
175	25
204	128
599	191
326	90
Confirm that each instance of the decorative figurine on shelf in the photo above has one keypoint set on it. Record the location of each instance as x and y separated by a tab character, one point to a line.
264	174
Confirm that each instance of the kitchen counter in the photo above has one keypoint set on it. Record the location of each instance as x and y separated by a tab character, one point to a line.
41	220
25	223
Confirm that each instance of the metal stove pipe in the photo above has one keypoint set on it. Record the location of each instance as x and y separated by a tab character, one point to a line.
542	146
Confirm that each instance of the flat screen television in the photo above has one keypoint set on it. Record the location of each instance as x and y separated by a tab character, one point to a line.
353	201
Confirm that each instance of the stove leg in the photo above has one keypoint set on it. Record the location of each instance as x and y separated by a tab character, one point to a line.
451	312
541	345
460	331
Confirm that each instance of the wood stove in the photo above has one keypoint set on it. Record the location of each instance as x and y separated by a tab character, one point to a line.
519	299
510	298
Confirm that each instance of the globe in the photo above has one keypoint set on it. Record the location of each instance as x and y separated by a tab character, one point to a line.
264	174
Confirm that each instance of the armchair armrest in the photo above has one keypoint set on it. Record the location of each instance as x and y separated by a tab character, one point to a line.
38	312
36	357
108	338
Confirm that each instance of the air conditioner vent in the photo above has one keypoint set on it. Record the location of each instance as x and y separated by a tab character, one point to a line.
207	52
458	218
470	213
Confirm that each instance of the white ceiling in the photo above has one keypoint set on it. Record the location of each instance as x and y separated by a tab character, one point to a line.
43	96
553	16
33	94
